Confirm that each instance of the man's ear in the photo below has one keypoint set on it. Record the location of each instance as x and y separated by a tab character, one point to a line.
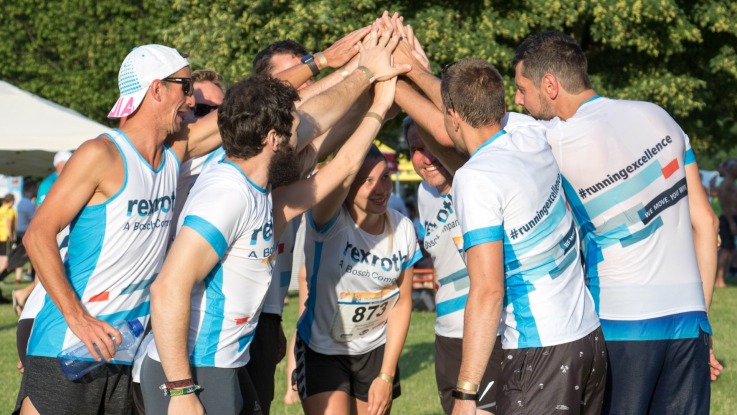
455	118
550	86
272	140
155	89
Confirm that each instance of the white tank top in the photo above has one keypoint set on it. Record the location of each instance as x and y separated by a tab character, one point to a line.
116	249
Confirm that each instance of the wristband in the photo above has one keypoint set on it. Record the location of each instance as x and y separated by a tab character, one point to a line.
464	396
368	73
186	390
179	383
466	385
380	119
322	60
383	376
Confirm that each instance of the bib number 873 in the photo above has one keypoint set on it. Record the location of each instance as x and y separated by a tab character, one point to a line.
360	314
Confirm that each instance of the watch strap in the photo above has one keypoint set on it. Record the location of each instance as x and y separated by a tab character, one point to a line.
310	61
456	394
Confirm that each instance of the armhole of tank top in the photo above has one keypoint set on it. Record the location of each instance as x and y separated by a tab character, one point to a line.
324	228
125	172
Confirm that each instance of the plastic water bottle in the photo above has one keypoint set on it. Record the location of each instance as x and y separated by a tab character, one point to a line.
76	361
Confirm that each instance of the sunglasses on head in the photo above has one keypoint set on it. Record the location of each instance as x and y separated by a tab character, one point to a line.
200	110
187	86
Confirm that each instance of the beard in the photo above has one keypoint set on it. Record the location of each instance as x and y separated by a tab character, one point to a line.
545	112
284	167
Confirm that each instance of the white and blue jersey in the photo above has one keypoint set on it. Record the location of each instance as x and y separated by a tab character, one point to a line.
623	164
115	250
352	279
443	240
282	273
188	174
234	215
510	191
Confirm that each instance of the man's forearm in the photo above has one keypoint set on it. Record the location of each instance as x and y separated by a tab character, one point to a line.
295	75
428	83
322	111
430	121
170	333
327	82
480	326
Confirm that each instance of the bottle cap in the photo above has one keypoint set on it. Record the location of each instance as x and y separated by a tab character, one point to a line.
136	327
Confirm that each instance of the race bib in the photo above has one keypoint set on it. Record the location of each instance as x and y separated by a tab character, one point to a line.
362	313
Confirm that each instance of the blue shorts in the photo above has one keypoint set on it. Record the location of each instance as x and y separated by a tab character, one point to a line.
658	377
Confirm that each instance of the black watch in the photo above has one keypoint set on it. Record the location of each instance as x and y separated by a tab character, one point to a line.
464	396
310	61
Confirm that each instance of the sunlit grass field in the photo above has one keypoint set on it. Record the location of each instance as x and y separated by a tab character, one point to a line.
419	395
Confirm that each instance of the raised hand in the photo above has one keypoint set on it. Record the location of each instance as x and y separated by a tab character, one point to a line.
417	51
376	53
344	49
409	51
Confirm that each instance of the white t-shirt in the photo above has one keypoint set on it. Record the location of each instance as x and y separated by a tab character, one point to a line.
510	191
444	242
235	217
188	174
352	279
282	272
624	168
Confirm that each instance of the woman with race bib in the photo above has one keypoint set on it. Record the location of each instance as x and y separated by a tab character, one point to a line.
359	258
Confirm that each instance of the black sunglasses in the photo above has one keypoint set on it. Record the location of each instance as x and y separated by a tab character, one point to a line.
200	110
187	86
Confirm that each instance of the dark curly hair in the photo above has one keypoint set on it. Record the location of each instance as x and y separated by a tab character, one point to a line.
251	108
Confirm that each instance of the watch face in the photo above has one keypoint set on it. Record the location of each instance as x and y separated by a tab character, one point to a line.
307	58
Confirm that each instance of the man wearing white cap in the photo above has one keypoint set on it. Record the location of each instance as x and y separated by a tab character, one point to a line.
60	159
117	193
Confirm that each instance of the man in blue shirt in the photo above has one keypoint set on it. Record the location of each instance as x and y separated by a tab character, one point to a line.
60	159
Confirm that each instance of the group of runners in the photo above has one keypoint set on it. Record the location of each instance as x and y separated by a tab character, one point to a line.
574	268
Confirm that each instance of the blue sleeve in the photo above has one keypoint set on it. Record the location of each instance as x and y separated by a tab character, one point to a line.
482	236
208	231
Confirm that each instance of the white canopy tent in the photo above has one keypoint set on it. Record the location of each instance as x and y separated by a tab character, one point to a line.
33	129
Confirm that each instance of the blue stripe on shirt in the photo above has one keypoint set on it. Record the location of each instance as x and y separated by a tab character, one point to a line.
208	231
482	236
676	326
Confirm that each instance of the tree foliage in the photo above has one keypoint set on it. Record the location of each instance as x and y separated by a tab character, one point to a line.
70	51
678	54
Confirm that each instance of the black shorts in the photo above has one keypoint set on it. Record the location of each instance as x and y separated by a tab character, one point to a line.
22	334
658	377
18	255
267	349
5	248
317	372
104	390
448	352
725	234
567	378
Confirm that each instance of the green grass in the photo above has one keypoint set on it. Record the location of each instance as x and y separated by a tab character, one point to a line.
419	395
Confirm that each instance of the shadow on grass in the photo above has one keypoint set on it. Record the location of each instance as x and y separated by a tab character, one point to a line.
416	357
9	327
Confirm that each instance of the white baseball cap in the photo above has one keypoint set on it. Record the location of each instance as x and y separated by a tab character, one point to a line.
61	156
139	69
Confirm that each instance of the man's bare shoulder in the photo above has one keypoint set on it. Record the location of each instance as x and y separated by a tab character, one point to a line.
98	158
99	150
